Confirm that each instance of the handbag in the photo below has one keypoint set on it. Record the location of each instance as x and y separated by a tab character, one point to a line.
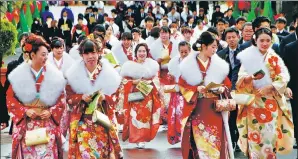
135	96
170	88
227	104
36	137
101	118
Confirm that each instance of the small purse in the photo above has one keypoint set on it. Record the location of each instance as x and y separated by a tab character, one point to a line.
101	118
170	88
135	96
227	104
36	137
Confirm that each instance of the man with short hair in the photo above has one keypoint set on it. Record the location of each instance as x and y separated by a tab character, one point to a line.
216	16
136	37
247	33
117	20
173	15
239	24
149	22
281	22
230	18
220	25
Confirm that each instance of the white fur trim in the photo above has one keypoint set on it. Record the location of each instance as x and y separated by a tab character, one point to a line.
253	60
119	54
190	70
148	69
174	67
67	61
75	53
156	49
107	81
23	84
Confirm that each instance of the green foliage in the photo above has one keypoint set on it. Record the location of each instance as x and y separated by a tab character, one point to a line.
8	38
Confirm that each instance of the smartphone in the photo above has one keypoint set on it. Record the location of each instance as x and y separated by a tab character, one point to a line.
259	72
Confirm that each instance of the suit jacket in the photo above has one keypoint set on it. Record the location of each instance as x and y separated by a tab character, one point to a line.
139	18
233	74
286	40
144	35
231	20
290	59
118	21
247	44
284	33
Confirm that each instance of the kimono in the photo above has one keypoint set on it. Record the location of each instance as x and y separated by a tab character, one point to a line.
157	50
63	65
44	92
88	139
202	137
176	104
265	126
121	54
141	118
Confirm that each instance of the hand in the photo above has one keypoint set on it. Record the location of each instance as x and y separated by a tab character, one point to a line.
265	90
159	60
86	98
45	114
3	126
170	77
31	113
136	81
248	79
289	93
201	89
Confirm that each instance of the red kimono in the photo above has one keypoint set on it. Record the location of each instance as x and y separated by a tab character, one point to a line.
89	139
39	91
202	137
141	118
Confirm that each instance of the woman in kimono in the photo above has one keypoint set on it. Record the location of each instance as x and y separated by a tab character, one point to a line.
176	102
62	61
93	74
36	100
162	50
142	117
202	137
265	125
123	51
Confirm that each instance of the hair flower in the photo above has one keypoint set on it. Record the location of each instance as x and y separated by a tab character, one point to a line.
198	45
28	47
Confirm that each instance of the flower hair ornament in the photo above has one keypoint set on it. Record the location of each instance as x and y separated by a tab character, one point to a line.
198	45
27	47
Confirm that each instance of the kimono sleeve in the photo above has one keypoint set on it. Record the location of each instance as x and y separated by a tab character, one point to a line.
57	109
281	80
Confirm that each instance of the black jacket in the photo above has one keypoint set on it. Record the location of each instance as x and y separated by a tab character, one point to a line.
233	74
144	35
4	117
10	67
231	20
215	17
286	40
284	33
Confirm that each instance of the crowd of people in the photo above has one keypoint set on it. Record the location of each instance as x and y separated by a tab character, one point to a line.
148	65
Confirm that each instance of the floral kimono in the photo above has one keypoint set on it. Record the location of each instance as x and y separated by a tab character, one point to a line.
39	91
204	134
176	104
63	65
265	126
158	51
88	139
141	118
121	54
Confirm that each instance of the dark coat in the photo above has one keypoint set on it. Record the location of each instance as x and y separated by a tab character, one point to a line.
286	40
233	74
290	58
144	35
284	33
66	34
215	17
231	20
4	117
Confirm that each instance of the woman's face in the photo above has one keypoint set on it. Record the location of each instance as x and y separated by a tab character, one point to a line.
164	36
264	42
58	52
90	59
184	51
109	31
141	53
40	57
210	49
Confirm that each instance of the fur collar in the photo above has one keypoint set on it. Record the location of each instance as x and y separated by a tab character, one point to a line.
148	69
119	54
74	53
252	60
23	84
67	61
107	81
173	67
157	47
190	71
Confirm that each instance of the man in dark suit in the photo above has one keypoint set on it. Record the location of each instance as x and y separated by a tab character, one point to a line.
65	25
281	22
4	118
117	20
10	67
247	33
229	55
229	18
216	15
149	21
286	40
290	58
261	22
141	16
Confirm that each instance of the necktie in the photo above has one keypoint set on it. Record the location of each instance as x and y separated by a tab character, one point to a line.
232	58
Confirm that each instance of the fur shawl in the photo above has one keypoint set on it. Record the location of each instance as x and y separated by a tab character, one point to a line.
252	61
67	61
119	54
174	68
23	84
157	47
148	69
191	73
107	81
